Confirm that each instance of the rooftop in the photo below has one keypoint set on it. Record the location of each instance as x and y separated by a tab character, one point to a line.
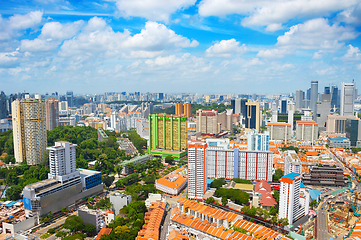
291	175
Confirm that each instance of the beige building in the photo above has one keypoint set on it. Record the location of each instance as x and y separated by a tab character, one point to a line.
29	130
307	130
337	124
52	113
209	121
279	131
253	116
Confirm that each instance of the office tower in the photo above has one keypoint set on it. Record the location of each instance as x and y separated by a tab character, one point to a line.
327	90
308	94
52	113
284	106
347	100
233	105
3	108
299	99
160	96
292	163
197	170
290	198
334	97
253	118
238	106
29	130
207	120
70	98
62	159
178	109
168	135
11	99
314	95
243	107
323	110
257	141
188	110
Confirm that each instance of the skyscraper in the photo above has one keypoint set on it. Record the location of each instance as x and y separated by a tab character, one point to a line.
29	130
314	95
327	90
197	170
334	96
284	106
52	113
237	106
299	99
252	118
233	105
70	98
178	109
3	108
188	110
347	99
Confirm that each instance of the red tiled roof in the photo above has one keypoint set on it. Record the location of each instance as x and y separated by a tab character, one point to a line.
104	231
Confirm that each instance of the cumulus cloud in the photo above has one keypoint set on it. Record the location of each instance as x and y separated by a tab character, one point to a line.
10	27
8	57
266	13
226	48
155	10
353	54
51	36
99	38
275	53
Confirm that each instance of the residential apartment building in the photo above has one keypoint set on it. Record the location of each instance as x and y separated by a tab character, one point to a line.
289	202
307	131
188	110
258	141
207	121
279	131
29	130
292	163
52	113
178	109
197	170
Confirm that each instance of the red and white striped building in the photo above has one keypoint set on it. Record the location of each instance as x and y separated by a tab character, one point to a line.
197	170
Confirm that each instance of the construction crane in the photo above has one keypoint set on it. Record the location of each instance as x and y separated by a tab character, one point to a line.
346	209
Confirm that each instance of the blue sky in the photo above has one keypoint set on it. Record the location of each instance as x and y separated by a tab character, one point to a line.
204	46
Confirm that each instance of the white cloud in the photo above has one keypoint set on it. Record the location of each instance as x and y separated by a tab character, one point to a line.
155	10
8	57
265	13
359	66
99	38
275	53
353	54
226	48
52	35
274	27
318	55
351	15
10	27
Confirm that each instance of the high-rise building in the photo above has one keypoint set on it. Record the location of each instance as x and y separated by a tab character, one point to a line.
233	105
178	109
299	99
160	96
314	94
290	206
279	131
243	107
197	170
255	165
70	98
257	141
52	113
347	99
308	94
253	118
284	106
63	106
292	162
323	110
327	90
307	131
168	135
237	106
3	107
188	110
29	130
207	121
334	97
62	159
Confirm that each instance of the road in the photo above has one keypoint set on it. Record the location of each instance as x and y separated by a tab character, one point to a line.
322	222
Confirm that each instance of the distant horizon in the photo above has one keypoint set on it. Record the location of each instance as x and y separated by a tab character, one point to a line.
192	46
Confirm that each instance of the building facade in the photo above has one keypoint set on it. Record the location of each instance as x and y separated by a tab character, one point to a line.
258	141
197	170
29	130
347	99
52	113
292	163
307	131
279	131
325	176
207	121
253	116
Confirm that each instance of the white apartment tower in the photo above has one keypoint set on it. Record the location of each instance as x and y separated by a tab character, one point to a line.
290	206
197	170
29	130
62	159
292	162
347	99
257	141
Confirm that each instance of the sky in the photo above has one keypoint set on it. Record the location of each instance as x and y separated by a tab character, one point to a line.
178	46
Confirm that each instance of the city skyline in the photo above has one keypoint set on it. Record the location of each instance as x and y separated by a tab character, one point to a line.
182	46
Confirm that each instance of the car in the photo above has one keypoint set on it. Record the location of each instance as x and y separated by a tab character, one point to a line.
296	229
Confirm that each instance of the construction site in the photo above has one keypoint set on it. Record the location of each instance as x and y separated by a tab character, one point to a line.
344	213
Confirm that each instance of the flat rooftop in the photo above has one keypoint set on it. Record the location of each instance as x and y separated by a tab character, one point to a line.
42	183
87	172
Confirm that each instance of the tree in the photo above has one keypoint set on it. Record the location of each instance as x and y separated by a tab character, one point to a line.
210	200
64	209
12	178
14	192
51	231
277	176
169	159
89	229
108	180
50	215
283	222
224	201
74	223
273	211
276	195
61	234
118	169
121	230
218	183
